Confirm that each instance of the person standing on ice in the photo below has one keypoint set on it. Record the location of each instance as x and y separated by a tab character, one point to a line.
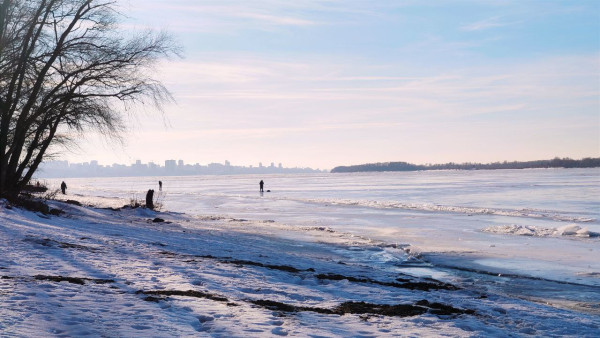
261	184
63	187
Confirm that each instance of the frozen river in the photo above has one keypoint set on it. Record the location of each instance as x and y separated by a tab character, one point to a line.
530	233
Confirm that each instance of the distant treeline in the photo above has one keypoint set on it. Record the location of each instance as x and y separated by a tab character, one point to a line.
404	166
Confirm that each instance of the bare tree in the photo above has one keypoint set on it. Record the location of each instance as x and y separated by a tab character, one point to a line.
65	64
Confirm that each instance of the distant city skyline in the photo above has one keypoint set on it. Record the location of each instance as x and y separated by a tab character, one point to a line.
165	163
93	168
330	83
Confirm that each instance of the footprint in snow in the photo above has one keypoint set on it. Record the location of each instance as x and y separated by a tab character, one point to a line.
203	324
279	331
204	319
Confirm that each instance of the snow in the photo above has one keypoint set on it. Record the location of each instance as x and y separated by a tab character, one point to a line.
519	248
530	230
572	230
120	254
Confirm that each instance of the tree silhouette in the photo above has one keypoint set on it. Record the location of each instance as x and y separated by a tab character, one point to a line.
403	166
65	66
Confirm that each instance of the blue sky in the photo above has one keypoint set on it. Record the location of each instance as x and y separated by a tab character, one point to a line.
337	82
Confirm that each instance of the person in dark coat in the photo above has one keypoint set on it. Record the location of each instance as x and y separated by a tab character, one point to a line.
63	187
160	185
261	184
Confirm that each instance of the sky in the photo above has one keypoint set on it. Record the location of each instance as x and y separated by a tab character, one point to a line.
318	84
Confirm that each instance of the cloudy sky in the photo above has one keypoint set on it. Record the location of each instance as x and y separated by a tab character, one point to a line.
338	82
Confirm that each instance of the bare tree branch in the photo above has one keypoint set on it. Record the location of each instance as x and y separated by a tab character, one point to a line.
65	65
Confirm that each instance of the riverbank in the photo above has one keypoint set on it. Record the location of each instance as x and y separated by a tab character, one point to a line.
128	272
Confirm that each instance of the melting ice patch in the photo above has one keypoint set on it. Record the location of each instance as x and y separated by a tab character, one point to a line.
530	230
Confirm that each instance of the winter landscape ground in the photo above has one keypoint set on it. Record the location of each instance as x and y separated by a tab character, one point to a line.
135	272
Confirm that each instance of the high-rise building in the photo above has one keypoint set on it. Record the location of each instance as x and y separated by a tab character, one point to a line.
170	165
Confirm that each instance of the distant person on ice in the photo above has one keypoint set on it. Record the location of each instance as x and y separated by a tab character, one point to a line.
160	185
63	187
261	184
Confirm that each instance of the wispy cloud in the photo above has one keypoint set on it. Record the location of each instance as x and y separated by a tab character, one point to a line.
493	22
271	132
276	19
471	91
217	15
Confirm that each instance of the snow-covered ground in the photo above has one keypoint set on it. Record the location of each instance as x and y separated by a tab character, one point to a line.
103	272
457	253
540	223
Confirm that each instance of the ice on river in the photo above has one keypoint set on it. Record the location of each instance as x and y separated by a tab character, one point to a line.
513	242
471	213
